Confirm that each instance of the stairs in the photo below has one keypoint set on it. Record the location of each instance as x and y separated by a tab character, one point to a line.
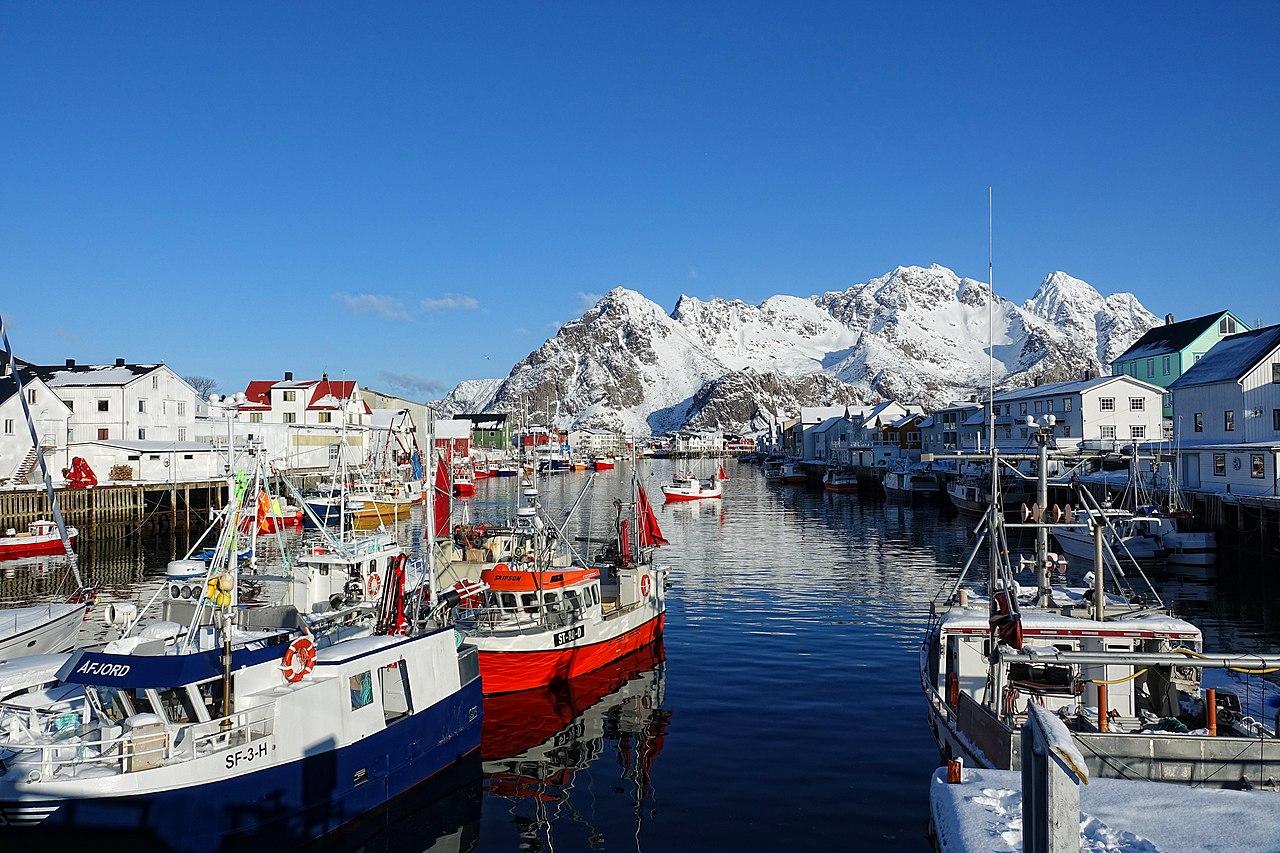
20	474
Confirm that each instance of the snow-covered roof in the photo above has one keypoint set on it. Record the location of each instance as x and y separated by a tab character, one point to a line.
74	375
1170	337
452	429
828	424
928	422
1232	357
975	418
810	415
383	418
1079	386
904	420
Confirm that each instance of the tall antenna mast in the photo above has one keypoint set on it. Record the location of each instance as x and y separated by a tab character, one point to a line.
994	509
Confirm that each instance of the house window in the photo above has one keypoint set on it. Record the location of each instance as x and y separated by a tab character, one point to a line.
1275	419
1199	420
1066	430
1166	400
31	395
1227	326
255	417
1137	431
1275	372
1023	432
290	396
182	408
142	406
155	382
8	426
1006	410
1048	405
1107	404
326	417
361	687
290	417
1229	420
1137	404
104	434
1257	466
1066	404
182	434
1039	407
1022	408
104	405
1109	431
1219	464
70	405
1165	365
1151	367
142	434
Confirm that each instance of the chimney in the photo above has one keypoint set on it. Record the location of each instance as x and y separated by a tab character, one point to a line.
324	377
1168	319
288	376
119	362
71	362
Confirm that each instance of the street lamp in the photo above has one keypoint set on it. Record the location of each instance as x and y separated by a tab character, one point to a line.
229	405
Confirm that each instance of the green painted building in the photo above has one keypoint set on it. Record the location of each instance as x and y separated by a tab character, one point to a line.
1166	352
491	431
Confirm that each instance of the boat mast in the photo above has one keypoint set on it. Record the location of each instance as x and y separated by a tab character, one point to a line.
994	510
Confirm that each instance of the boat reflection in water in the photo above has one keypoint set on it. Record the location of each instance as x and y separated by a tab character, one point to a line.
536	743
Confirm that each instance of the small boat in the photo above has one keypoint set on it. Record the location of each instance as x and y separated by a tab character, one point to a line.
907	485
481	472
41	538
463	486
603	463
772	468
686	487
578	465
840	480
792	473
972	494
1138	535
508	470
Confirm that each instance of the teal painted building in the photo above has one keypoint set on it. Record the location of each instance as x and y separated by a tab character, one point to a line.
1166	352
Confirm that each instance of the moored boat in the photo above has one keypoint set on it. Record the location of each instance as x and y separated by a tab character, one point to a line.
686	487
840	480
603	463
904	484
41	538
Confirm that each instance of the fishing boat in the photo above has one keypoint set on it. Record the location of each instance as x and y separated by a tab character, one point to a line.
907	484
792	473
841	480
508	469
603	463
578	465
686	487
971	494
772	468
540	623
1139	536
41	538
463	485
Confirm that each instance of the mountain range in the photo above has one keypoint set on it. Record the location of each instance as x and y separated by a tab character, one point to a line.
915	334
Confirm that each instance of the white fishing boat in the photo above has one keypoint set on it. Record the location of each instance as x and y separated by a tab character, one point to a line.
906	484
1136	535
686	487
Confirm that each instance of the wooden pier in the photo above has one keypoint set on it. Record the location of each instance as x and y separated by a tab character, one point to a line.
115	503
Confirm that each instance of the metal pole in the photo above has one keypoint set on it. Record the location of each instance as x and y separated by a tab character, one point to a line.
1099	572
1043	593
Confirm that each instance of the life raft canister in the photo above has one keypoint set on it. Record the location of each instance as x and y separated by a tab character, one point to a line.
373	584
299	659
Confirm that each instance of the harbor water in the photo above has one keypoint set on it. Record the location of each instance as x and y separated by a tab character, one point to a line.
782	711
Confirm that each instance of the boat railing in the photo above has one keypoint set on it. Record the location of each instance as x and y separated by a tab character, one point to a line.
11	624
146	747
491	619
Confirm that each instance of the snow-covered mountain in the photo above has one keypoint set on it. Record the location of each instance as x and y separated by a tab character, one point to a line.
469	395
916	334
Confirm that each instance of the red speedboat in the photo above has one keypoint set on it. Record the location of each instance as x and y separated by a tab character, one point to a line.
40	539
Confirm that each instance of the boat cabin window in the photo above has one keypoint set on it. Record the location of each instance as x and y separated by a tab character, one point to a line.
112	703
176	705
211	695
571	596
549	598
361	686
394	680
373	565
508	600
529	601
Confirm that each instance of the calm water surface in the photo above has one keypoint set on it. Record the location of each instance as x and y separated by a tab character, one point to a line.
782	711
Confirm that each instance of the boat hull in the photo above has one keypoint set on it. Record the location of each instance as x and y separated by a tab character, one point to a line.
672	494
509	671
15	548
45	629
1079	544
281	806
841	488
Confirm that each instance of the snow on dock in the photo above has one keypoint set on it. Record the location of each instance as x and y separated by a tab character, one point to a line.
984	813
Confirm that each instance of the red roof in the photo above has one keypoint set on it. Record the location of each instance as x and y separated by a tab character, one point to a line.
259	391
339	390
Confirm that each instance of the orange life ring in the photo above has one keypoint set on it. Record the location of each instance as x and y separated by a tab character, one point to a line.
299	659
644	585
373	584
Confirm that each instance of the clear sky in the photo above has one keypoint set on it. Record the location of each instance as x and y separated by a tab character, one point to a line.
419	193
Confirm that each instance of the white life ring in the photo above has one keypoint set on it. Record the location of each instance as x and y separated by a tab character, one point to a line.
373	584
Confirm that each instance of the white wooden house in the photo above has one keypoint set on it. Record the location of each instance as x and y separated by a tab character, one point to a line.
123	401
1226	414
150	461
18	457
305	402
1105	411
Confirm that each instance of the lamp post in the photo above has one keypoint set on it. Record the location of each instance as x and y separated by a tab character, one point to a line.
229	406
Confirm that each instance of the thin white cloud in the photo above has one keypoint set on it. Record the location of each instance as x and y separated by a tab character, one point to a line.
411	383
521	331
586	299
449	302
693	274
377	304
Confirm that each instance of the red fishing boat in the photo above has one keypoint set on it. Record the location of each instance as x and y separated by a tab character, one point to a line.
603	463
543	623
41	538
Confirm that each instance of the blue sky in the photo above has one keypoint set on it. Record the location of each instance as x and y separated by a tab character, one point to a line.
420	193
